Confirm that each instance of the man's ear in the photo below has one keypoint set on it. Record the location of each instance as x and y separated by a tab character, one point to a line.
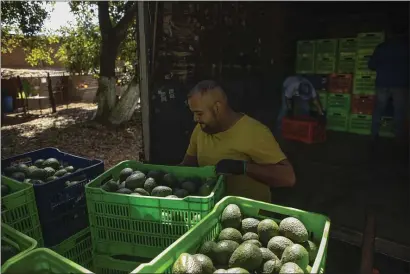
217	107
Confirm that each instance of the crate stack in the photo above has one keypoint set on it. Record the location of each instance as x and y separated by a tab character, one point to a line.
325	56
338	101
305	59
346	55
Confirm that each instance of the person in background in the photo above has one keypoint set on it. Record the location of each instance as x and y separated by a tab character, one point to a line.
297	92
236	144
390	60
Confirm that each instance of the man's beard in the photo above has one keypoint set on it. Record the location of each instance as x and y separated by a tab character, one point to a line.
208	130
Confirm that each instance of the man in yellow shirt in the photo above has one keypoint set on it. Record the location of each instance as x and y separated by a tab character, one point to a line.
236	144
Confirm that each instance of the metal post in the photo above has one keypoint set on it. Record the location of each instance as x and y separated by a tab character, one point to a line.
143	77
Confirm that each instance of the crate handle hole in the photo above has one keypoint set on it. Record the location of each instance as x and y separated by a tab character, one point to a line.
271	214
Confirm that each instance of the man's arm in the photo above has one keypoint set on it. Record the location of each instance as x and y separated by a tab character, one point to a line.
274	175
318	105
189	161
373	62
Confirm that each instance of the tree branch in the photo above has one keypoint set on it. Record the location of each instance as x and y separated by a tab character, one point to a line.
104	17
121	28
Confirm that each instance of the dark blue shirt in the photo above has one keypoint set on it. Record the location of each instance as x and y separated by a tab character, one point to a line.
390	60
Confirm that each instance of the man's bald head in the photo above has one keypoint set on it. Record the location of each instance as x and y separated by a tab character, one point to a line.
209	103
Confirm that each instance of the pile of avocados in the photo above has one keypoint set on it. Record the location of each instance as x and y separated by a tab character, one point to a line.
42	171
7	251
158	184
248	245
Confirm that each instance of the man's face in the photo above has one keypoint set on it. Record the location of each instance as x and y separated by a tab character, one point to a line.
204	113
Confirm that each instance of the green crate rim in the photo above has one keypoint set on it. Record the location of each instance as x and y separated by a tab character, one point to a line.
197	232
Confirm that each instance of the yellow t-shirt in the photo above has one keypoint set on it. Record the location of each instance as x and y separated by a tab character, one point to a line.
247	140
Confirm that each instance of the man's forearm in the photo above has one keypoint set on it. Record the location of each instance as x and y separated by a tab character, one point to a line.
189	161
318	105
277	175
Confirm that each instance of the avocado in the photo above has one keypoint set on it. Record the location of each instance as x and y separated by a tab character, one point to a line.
60	173
189	186
308	269
156	175
249	225
272	266
211	181
267	229
293	229
224	250
39	163
27	181
124	191
39	174
278	244
250	236
231	217
52	162
125	173
247	256
237	270
267	255
68	183
5	190
206	263
220	271
50	171
170	180
255	242
230	234
312	249
291	268
7	252
37	182
205	190
296	254
23	168
181	193
149	184
172	196
135	194
19	176
51	178
70	169
110	186
142	191
185	264
10	170
135	181
121	185
208	249
161	191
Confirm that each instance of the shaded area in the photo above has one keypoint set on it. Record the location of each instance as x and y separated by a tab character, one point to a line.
72	131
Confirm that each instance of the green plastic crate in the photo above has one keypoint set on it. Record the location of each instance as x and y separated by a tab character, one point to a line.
140	225
347	45
325	65
339	103
42	260
369	40
386	127
305	64
22	242
19	209
337	121
360	124
362	60
326	47
306	48
209	228
364	84
104	264
78	248
346	63
323	101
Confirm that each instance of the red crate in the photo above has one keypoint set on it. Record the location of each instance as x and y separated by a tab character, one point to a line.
306	130
340	83
363	104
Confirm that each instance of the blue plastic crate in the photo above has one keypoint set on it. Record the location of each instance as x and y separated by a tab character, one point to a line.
62	210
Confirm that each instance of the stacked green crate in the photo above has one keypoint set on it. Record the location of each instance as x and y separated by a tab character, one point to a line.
360	124
338	109
325	58
346	56
337	121
305	57
364	82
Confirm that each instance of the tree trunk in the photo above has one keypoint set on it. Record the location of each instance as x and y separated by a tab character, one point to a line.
124	109
51	94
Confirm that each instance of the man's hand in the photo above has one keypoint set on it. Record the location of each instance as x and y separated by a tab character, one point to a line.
322	118
231	167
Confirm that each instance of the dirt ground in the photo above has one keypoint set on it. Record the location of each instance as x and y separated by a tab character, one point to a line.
70	130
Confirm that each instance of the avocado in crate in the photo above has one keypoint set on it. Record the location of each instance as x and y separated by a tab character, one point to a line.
246	236
14	244
139	209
